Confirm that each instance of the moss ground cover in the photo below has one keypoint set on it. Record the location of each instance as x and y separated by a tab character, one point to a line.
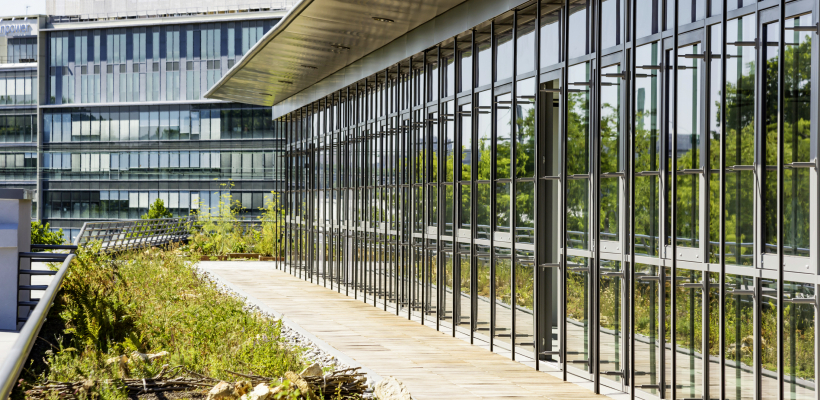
150	301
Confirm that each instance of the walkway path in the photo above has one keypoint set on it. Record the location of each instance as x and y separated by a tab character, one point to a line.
431	364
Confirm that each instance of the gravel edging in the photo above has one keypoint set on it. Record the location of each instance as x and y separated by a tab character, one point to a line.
318	350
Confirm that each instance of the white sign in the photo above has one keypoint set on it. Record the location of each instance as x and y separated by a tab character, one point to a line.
13	28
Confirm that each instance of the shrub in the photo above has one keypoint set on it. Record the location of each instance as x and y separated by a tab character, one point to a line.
157	211
40	234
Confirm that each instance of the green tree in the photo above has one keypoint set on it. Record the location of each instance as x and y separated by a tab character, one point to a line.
157	211
41	234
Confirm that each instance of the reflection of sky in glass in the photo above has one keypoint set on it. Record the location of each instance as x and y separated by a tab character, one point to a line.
504	56
550	38
610	23
578	30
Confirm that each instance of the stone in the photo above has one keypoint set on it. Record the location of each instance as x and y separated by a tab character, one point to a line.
241	388
313	370
304	387
222	390
261	392
391	389
121	360
146	357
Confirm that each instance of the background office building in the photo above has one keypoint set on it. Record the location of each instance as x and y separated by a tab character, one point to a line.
102	111
625	191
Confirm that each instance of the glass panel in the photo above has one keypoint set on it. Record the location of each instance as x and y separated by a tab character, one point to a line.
503	136
502	287
713	119
525	303
483	210
503	48
797	137
525	129
503	208
611	23
687	136
465	219
449	199
768	338
485	66
798	342
578	303
525	213
688	335
610	154
481	328
740	112
739	328
647	340
447	299
462	305
579	28
525	40
610	329
550	51
466	137
649	11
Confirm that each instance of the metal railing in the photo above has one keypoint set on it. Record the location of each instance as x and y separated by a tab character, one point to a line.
18	354
133	234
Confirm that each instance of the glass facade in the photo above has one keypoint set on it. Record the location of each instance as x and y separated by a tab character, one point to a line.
18	87
133	97
156	63
625	200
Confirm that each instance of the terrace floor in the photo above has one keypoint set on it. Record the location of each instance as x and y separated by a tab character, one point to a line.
430	363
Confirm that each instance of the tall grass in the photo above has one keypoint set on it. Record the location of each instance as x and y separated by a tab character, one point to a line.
151	301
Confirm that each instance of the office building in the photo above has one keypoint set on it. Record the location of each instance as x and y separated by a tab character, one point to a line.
102	109
624	191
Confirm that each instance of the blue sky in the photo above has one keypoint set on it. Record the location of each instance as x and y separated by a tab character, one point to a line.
18	7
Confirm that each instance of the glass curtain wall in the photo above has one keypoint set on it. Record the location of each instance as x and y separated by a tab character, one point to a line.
628	201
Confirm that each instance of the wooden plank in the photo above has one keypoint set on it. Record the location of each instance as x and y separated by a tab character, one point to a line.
432	364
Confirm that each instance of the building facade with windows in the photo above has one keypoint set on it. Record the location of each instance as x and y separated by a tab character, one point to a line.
625	191
104	112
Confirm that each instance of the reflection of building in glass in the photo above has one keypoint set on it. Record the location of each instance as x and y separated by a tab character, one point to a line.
638	212
102	109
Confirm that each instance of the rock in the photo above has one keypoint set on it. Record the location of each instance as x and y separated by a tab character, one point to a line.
222	390
121	360
146	357
391	389
241	388
261	392
304	387
313	370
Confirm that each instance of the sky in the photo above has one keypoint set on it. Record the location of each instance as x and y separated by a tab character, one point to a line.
18	7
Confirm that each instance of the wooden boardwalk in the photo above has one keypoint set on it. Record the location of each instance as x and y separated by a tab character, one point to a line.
432	364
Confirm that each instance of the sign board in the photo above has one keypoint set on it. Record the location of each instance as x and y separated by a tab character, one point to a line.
18	28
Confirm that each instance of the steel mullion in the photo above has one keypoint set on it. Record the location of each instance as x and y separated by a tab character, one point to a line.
563	184
595	209
781	72
440	295
722	210
673	201
629	373
410	205
493	134
514	134
537	255
456	257
473	192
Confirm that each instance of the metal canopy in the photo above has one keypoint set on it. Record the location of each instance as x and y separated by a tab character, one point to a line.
316	39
